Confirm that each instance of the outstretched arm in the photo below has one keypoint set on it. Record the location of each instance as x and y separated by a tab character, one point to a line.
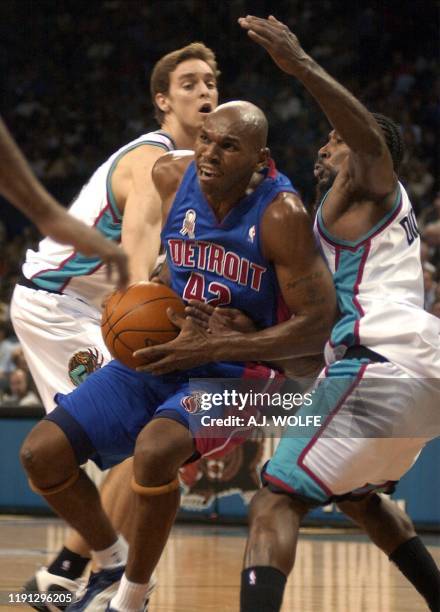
19	185
372	163
142	215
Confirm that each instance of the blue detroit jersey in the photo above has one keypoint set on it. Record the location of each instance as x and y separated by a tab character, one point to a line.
221	263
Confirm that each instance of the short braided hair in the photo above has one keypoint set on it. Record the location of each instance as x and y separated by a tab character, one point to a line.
393	138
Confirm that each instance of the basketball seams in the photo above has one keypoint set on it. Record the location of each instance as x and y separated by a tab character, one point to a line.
114	306
117	338
143	318
140	304
149	331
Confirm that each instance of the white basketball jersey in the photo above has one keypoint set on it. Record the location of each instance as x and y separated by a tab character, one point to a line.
56	267
379	286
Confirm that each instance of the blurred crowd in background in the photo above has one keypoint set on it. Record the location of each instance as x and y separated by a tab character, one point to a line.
76	87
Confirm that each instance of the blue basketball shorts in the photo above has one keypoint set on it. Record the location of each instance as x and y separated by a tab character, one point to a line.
104	415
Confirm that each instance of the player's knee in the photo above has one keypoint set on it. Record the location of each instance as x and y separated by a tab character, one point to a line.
160	451
260	503
403	521
46	455
266	507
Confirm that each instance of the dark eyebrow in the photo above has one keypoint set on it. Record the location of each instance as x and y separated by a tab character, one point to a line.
193	75
231	138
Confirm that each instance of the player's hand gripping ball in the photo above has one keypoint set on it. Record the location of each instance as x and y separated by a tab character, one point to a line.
137	317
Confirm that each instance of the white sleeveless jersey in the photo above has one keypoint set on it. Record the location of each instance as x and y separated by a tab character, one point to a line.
56	267
379	286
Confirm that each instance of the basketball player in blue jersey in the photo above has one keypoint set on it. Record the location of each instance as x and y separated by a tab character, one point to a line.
20	186
236	234
367	232
56	307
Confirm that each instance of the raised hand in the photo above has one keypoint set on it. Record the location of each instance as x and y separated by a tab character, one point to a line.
281	44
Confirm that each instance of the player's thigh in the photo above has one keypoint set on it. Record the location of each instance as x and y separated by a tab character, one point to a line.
162	447
109	410
365	439
61	340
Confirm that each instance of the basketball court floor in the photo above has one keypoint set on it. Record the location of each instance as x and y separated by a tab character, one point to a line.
336	570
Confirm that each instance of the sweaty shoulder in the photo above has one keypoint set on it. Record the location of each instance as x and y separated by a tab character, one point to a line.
132	171
285	223
169	170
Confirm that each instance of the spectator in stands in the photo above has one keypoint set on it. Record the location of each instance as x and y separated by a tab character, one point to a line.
431	233
430	284
94	113
7	346
20	393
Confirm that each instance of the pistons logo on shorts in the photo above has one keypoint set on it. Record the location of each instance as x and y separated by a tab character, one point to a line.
192	403
84	362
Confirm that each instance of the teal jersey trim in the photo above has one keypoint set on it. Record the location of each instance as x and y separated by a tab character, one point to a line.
365	237
108	223
346	280
287	469
110	195
77	264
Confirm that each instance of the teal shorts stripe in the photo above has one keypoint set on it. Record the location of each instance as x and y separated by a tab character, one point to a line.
287	470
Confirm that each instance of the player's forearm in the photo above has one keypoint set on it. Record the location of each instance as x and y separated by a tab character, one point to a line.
347	115
17	181
300	336
142	248
67	229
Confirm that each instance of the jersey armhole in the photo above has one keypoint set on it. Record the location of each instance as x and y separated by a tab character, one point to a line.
187	177
108	181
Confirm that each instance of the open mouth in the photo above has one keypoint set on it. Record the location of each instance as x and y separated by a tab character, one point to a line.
207	172
206	108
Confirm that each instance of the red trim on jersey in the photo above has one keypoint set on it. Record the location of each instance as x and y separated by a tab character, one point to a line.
53	269
279	483
337	257
60	265
116	219
356	290
390	220
283	312
328	420
259	370
272	171
361	242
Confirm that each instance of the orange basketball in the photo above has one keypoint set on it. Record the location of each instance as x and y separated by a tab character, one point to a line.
134	318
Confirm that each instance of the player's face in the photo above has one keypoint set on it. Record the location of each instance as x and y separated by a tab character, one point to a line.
330	158
225	156
192	93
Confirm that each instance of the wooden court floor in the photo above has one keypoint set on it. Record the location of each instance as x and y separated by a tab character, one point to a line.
336	571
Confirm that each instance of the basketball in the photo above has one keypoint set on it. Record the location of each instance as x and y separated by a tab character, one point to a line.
137	317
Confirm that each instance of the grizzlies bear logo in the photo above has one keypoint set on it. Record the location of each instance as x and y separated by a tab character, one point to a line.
84	362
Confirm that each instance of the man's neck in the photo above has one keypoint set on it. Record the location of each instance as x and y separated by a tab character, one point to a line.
222	203
184	138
